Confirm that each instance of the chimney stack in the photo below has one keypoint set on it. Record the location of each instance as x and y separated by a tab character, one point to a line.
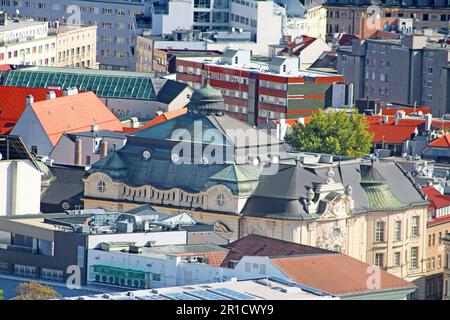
78	152
428	121
104	148
29	100
94	128
51	95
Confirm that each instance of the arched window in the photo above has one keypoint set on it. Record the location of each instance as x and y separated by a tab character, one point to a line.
101	186
220	199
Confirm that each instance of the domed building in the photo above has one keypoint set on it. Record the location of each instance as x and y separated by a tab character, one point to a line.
224	172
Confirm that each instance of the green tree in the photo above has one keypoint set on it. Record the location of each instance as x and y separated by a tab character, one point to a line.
336	133
1	294
35	291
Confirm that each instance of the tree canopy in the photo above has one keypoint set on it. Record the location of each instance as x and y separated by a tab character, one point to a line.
335	133
1	294
35	291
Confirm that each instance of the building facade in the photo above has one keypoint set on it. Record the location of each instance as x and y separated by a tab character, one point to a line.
24	42
350	16
257	92
115	22
407	71
372	212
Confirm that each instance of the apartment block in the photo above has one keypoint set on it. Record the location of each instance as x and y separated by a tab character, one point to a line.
256	91
115	21
410	70
28	42
350	16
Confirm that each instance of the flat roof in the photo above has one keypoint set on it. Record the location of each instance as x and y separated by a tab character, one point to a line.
256	66
12	25
260	289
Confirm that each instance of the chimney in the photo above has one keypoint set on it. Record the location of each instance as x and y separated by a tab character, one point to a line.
386	119
399	115
51	95
428	121
29	100
104	148
70	91
78	152
94	128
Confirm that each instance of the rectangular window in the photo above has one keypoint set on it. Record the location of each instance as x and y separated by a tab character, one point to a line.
415	226
248	267
156	277
397	260
398	230
80	256
413	260
379	231
379	259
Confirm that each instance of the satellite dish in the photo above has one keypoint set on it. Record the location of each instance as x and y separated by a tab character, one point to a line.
146	154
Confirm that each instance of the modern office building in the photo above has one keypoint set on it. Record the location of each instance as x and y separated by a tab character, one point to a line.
411	70
257	91
27	42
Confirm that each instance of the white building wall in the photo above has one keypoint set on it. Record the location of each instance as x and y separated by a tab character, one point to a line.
312	52
173	271
141	238
20	188
30	129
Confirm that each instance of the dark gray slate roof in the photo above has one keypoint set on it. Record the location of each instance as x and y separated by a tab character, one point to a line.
283	194
67	186
170	90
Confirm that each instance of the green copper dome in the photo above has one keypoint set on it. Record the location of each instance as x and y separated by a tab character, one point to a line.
379	194
207	99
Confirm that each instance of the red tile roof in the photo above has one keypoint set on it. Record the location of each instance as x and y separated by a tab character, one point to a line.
442	142
438	221
299	45
161	118
407	110
74	113
5	67
437	199
337	274
391	133
12	104
255	245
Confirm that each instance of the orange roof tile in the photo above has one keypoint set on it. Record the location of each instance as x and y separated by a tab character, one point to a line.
442	142
390	133
75	113
161	118
337	274
437	200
